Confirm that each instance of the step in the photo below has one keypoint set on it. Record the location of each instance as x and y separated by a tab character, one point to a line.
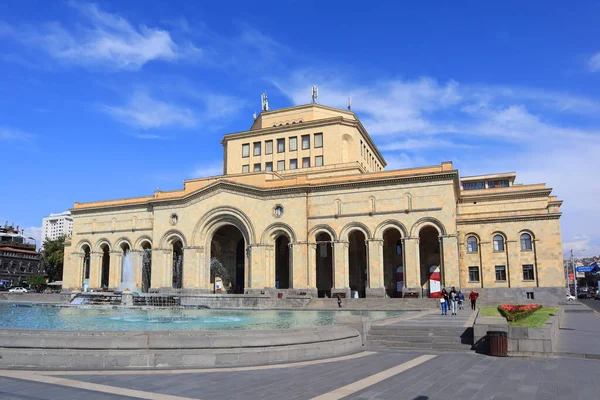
419	346
423	339
421	332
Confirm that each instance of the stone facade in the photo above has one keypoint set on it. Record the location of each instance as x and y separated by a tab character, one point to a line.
347	225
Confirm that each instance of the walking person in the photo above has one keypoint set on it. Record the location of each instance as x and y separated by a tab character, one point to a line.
444	302
461	300
473	296
453	300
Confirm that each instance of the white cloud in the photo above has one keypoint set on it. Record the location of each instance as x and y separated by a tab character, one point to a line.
10	134
594	63
144	112
210	168
102	38
421	144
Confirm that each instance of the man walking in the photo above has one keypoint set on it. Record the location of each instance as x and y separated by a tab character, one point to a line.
473	296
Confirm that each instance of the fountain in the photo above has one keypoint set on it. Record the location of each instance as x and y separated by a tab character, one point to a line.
127	273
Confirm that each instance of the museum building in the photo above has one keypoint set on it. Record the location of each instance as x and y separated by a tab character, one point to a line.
306	206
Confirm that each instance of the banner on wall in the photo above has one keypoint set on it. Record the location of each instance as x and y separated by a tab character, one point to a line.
399	280
435	286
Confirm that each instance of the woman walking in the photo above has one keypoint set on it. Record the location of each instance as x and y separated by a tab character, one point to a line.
461	300
453	300
444	302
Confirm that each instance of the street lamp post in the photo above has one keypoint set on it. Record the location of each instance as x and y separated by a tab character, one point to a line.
574	271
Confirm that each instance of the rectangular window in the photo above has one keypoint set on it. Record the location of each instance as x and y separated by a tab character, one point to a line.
528	273
473	185
269	147
498	184
318	161
361	148
500	272
269	166
294	163
473	274
245	168
257	167
318	140
306	162
246	150
280	145
305	142
293	143
280	165
257	148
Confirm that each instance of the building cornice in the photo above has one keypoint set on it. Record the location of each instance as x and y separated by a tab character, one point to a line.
511	218
486	197
275	192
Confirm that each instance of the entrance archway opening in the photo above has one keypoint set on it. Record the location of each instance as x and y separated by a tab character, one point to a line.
357	262
86	264
146	266
324	264
105	276
177	264
393	262
429	254
228	258
282	262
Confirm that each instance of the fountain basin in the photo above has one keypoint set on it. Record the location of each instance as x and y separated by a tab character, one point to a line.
85	350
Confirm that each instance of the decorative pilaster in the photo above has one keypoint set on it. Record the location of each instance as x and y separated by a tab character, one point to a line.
95	269
375	268
137	265
299	271
116	268
311	265
412	262
340	261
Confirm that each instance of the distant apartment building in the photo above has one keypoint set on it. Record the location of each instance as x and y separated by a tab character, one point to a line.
18	258
57	225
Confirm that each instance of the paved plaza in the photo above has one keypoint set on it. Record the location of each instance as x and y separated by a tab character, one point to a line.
366	375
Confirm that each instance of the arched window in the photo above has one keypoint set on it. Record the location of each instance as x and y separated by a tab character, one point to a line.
498	243
472	244
399	247
526	241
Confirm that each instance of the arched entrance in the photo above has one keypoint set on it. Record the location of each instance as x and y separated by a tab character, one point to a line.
393	262
228	258
282	262
357	262
86	264
146	266
177	264
105	276
429	254
324	264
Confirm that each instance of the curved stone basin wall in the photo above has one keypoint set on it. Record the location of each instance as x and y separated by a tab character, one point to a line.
183	349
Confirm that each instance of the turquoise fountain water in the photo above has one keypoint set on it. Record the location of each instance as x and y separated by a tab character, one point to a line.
122	319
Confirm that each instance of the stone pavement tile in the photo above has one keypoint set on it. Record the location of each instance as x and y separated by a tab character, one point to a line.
19	389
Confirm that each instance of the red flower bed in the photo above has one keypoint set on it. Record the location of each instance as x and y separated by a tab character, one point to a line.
517	312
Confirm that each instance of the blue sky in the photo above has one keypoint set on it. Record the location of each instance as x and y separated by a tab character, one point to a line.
114	99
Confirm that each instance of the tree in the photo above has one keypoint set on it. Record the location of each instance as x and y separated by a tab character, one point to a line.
35	280
53	256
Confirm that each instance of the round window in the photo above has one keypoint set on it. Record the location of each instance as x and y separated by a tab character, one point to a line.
278	210
174	219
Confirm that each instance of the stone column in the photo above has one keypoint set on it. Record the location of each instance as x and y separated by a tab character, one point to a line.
137	265
191	270
255	269
450	260
269	266
160	266
75	271
412	264
96	269
340	270
114	278
299	272
311	265
375	269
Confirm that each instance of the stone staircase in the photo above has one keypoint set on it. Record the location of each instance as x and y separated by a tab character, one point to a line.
379	304
420	337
